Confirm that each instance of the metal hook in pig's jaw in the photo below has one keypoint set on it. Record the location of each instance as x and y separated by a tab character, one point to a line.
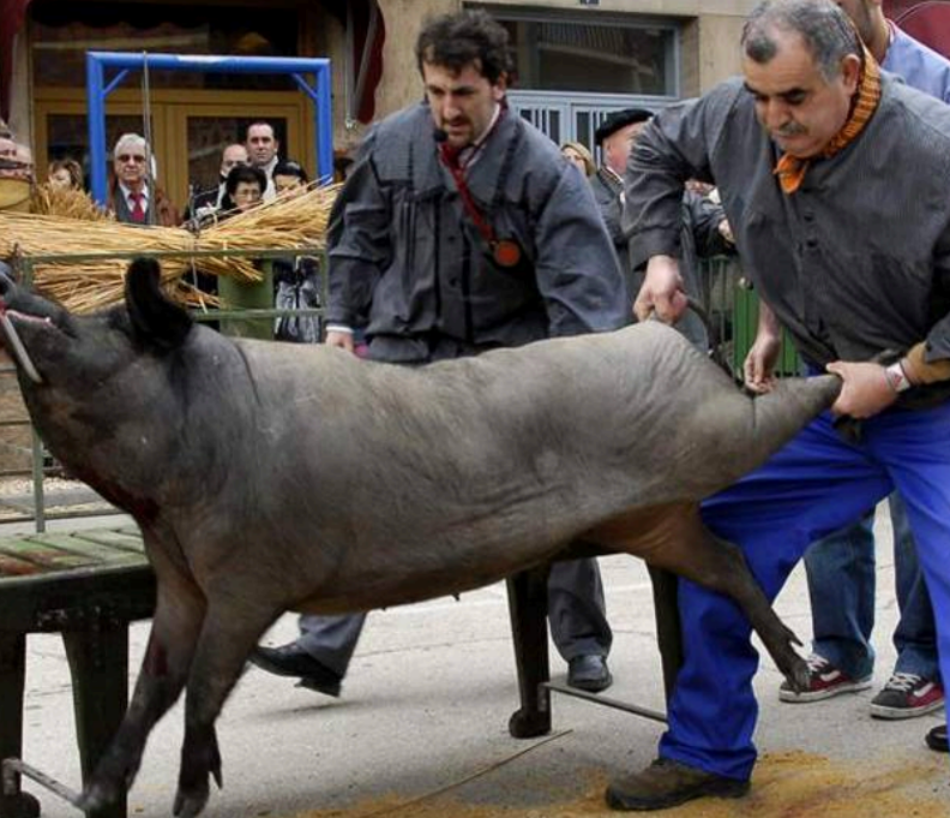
16	347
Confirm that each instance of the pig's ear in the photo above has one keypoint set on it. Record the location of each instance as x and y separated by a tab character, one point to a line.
157	321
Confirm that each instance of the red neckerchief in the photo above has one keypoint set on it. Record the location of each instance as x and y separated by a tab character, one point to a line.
506	252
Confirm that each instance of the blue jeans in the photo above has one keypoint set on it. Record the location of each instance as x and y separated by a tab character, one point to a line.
815	485
841	579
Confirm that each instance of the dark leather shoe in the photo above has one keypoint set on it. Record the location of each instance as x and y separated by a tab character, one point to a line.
589	673
666	783
293	660
937	739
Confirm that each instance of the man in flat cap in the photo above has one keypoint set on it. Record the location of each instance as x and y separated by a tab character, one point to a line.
615	138
704	231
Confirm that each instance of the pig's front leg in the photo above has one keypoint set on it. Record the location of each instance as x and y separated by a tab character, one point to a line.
232	627
175	629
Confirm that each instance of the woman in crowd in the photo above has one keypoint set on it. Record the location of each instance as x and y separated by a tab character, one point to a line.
65	174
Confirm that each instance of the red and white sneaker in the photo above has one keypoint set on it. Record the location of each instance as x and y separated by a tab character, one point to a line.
824	681
907	695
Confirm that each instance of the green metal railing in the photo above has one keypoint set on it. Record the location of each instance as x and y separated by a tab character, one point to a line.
733	309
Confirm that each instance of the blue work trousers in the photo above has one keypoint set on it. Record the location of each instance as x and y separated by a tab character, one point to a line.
841	586
816	484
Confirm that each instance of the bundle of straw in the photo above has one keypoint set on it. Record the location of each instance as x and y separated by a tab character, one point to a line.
66	203
88	285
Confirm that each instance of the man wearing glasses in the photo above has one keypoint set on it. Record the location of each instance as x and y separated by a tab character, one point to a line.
134	197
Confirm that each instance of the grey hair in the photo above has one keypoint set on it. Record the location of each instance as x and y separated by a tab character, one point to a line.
130	140
134	140
827	30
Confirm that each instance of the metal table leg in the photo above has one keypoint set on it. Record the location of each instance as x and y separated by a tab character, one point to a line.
13	802
528	607
99	662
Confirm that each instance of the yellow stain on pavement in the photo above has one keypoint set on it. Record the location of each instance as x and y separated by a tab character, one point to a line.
785	785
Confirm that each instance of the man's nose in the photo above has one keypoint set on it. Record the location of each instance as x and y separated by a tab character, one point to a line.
776	115
450	109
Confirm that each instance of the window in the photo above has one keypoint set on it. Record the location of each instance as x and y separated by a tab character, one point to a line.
586	53
62	33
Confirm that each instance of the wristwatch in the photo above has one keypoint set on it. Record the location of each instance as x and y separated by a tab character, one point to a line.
896	378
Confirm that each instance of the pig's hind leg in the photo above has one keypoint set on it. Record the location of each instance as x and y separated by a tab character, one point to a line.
675	538
232	627
176	625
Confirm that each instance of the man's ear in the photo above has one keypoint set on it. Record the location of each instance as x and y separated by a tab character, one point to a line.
157	321
851	72
500	88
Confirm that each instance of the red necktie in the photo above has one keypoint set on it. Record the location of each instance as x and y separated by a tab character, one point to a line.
138	212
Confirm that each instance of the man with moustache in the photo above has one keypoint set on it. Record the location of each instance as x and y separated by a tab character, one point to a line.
841	567
833	178
462	229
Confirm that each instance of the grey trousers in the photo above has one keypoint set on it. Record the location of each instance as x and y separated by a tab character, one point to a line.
576	612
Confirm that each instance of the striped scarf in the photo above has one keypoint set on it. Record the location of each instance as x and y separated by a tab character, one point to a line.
791	169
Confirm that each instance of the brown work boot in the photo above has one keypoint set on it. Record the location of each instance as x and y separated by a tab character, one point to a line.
666	783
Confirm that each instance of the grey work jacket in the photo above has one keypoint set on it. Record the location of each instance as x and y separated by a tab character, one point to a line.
857	261
405	253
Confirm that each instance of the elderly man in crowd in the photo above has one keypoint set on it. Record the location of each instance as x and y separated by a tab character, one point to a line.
833	178
615	137
133	196
207	204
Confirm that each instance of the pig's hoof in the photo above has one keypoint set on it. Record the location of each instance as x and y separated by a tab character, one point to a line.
525	724
101	791
798	675
794	669
189	804
111	780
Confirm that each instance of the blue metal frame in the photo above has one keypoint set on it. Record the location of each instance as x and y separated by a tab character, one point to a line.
96	92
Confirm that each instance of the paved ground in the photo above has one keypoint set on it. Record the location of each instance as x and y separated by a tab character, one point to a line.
421	727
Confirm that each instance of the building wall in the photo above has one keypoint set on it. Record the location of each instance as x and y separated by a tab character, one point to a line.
710	53
710	43
21	109
719	55
401	84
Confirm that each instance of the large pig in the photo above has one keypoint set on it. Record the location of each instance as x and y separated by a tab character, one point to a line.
272	477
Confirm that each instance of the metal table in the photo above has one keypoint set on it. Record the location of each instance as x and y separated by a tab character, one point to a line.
88	586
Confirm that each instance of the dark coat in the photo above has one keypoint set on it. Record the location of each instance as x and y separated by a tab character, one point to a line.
165	213
857	261
404	251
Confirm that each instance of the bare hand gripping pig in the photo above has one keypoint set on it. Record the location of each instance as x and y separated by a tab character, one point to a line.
269	477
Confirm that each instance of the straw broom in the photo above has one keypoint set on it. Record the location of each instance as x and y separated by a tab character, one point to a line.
82	287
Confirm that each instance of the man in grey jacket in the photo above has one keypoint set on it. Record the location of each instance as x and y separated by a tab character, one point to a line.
615	137
841	567
833	178
703	221
460	229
